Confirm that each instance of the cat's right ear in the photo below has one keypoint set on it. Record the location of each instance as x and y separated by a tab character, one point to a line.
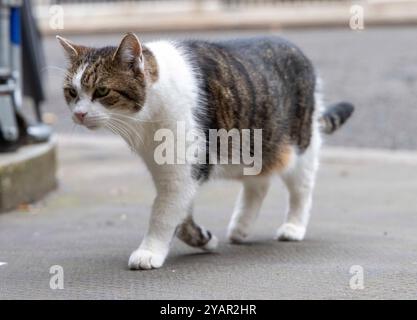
71	50
129	52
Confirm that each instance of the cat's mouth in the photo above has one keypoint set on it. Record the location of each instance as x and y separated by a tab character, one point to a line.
90	124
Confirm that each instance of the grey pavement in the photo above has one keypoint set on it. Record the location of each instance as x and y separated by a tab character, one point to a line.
364	214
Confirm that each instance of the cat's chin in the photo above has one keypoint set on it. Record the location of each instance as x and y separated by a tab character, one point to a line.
92	127
89	126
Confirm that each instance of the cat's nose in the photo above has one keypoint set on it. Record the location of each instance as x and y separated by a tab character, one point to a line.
80	115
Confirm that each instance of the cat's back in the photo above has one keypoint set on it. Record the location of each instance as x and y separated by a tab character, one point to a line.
265	55
260	82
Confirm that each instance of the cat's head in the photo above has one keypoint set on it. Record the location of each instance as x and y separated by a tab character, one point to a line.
105	83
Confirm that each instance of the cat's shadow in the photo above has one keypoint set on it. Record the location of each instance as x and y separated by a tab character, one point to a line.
246	252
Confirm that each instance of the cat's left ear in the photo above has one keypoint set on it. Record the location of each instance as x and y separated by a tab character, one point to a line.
129	52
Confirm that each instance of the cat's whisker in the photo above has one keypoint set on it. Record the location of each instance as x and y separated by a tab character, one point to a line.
124	133
132	129
117	131
99	118
54	68
53	76
115	115
136	134
139	120
129	139
113	129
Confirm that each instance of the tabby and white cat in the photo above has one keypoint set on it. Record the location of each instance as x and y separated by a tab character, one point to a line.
259	83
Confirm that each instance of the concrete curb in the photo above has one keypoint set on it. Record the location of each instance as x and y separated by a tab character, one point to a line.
27	175
186	16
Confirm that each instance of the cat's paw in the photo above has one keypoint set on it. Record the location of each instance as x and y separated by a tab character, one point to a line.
236	235
211	245
142	259
290	232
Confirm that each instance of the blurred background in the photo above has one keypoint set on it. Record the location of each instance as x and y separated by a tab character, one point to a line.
364	51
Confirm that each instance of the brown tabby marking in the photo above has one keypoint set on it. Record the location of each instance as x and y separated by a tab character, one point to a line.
192	234
262	83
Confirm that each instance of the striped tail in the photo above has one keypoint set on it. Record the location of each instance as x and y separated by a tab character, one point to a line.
335	116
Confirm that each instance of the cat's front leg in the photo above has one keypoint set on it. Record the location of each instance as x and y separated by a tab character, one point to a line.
168	211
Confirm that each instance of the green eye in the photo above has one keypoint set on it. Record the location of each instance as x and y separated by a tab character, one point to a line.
101	92
72	92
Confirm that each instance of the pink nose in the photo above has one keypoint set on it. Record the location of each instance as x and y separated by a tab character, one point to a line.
80	115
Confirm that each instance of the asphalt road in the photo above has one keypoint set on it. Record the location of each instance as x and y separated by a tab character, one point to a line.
376	69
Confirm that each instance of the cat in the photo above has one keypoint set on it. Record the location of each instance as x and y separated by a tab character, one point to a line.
265	83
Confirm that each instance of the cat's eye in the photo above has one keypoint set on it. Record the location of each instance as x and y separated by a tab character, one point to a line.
72	92
101	92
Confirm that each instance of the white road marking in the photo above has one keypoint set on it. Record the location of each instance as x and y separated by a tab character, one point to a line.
3	263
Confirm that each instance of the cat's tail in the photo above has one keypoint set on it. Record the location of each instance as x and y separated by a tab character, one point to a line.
335	116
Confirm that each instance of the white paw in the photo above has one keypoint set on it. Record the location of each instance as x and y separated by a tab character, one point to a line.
212	244
142	259
236	235
290	232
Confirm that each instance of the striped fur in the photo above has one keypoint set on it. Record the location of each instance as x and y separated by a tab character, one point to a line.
335	116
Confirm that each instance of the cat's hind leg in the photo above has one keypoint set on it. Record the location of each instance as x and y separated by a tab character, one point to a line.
247	207
195	235
299	181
